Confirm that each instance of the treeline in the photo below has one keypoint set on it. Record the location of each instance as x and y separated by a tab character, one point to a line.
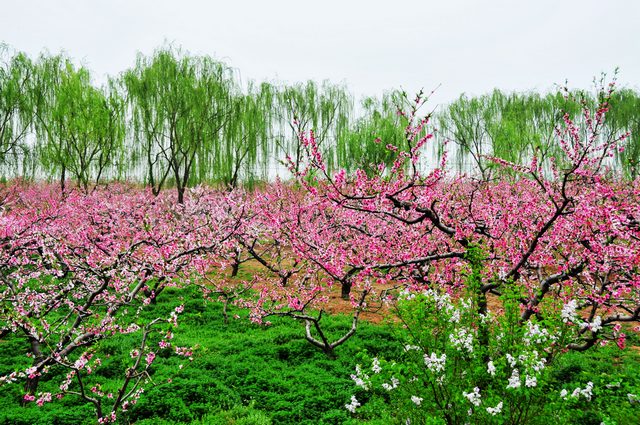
178	120
514	126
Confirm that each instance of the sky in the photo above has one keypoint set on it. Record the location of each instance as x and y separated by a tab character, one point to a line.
371	46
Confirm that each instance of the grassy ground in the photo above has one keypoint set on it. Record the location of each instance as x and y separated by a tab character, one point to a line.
249	374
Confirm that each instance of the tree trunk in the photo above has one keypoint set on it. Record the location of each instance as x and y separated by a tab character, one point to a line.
63	178
346	289
181	194
31	384
225	315
330	352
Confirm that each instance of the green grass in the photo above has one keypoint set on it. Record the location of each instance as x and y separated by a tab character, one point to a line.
246	374
266	372
615	374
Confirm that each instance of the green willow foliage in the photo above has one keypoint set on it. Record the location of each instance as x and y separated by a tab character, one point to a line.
381	124
180	105
326	109
178	120
80	129
510	126
16	105
625	116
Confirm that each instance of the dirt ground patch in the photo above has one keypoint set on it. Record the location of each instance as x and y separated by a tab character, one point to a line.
376	311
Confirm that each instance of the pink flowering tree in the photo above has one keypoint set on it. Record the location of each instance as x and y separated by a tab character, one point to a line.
560	241
81	268
290	284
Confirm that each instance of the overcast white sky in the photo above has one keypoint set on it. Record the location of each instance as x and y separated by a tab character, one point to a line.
466	46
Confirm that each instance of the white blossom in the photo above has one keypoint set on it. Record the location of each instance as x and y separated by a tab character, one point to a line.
530	381
455	316
462	338
514	380
586	392
435	363
351	407
393	385
539	364
360	378
417	400
466	303
569	311
491	368
596	325
406	295
473	397
535	334
375	367
495	410
443	302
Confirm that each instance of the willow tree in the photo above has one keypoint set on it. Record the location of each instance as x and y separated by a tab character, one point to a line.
244	154
462	122
179	105
366	144
110	130
521	124
624	115
80	128
544	115
324	109
16	105
508	119
509	126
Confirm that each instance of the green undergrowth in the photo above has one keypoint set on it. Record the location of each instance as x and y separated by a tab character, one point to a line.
247	374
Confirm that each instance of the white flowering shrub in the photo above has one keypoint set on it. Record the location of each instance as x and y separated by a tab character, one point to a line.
462	366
